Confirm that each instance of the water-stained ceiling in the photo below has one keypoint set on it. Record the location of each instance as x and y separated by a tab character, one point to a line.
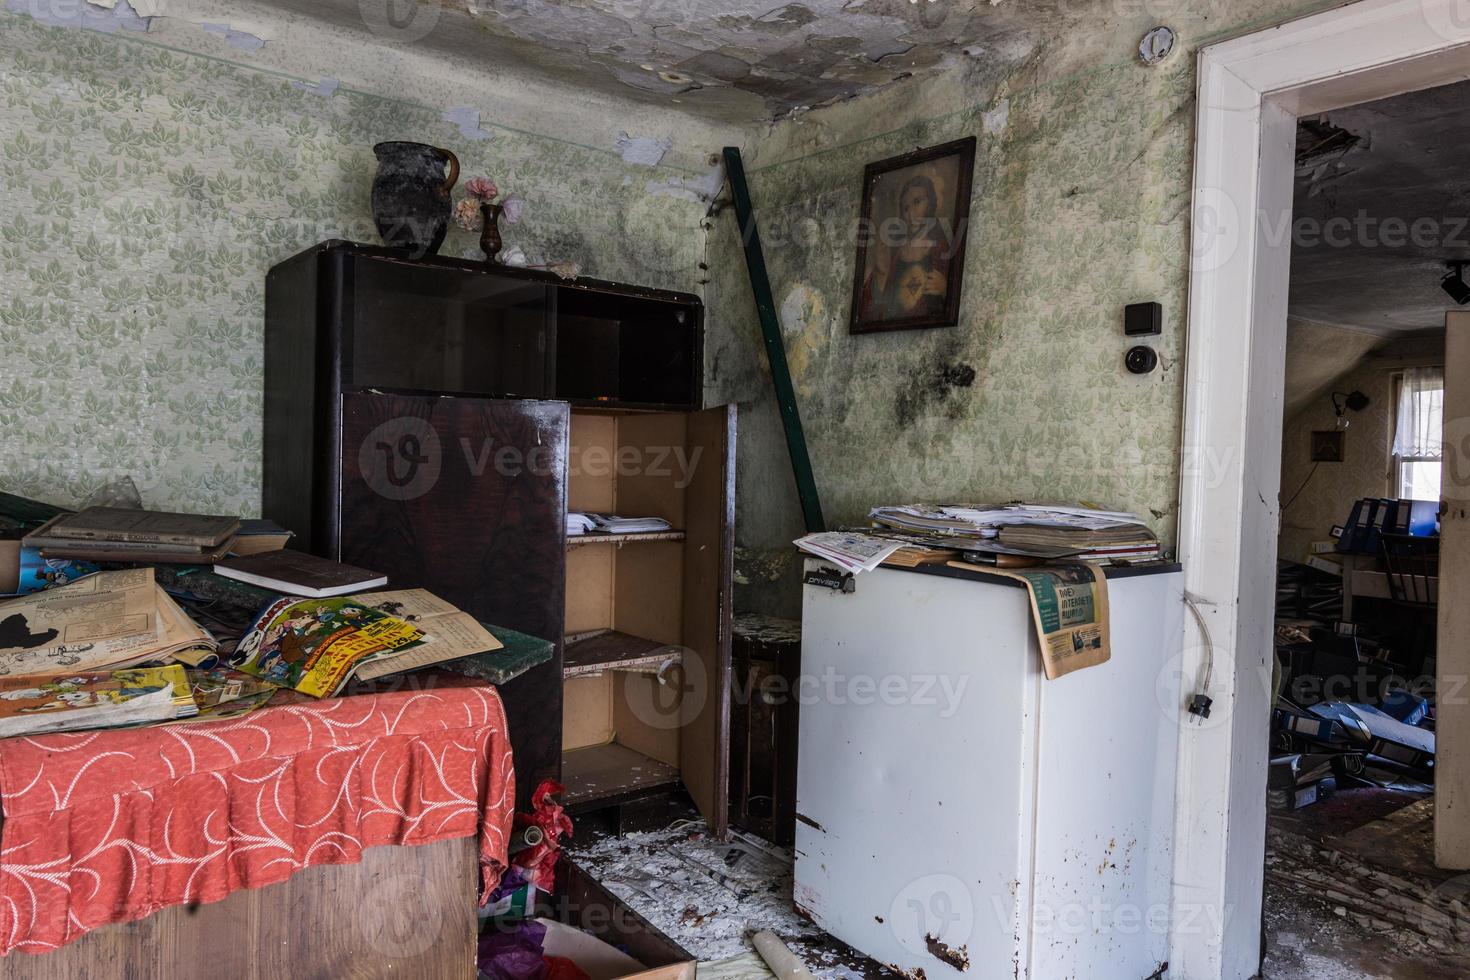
724	60
1382	202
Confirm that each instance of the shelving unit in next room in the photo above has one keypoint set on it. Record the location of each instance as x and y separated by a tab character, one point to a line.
647	649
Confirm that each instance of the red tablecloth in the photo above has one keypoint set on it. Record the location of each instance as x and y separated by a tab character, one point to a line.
105	827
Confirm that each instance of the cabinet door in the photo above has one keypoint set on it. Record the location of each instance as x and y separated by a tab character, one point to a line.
709	555
466	497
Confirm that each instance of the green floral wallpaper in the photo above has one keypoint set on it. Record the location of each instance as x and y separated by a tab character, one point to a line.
1080	206
144	193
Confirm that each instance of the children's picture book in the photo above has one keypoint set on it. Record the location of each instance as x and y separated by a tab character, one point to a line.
224	693
35	573
107	699
314	645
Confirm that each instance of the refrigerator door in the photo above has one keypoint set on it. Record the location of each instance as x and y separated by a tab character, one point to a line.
959	814
916	767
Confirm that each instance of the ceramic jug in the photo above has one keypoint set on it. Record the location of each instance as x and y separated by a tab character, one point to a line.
411	200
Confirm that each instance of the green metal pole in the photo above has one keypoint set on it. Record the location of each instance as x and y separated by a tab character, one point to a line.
765	305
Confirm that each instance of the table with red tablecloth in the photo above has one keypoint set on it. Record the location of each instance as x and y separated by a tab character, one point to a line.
109	826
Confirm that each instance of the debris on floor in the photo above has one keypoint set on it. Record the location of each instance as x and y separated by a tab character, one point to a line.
1352	892
712	898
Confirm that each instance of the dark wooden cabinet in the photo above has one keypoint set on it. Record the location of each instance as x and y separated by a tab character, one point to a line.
433	420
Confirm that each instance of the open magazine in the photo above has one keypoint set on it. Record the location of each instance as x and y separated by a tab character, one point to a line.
101	622
224	693
108	699
314	645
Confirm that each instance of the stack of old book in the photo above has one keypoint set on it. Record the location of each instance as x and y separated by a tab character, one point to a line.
1118	538
124	534
1043	531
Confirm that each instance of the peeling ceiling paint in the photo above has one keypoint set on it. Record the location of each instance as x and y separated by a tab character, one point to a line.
1382	202
739	61
108	18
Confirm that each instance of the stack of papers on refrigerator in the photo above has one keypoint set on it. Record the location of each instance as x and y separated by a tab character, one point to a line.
852	551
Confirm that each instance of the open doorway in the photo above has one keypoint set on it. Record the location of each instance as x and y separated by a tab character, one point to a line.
1379	223
1253	90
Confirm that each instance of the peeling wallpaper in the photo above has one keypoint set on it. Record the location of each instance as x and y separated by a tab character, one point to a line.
1079	207
145	194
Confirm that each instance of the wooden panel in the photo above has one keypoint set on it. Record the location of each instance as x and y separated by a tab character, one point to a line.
587	712
610	649
1452	763
649	715
649	596
590	589
592	463
654	466
401	912
297	469
467	497
592	907
606	771
580	540
708	568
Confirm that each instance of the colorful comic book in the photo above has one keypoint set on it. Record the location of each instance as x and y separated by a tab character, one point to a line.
224	693
106	699
314	645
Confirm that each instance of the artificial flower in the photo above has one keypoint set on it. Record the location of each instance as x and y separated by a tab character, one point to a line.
481	187
511	208
467	214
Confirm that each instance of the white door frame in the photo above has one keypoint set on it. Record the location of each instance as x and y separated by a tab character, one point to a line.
1251	90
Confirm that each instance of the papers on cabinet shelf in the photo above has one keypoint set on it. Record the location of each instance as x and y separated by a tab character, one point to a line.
587	523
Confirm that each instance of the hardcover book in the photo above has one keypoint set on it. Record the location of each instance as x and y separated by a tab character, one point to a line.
142	527
298	573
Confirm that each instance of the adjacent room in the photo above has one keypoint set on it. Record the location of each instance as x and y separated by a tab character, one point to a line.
1379	245
579	490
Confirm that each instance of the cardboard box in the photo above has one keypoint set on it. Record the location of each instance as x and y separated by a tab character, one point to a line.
601	961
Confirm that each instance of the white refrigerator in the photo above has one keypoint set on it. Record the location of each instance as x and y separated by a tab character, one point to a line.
960	816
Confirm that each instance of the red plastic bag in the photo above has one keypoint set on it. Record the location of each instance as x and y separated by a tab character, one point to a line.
539	861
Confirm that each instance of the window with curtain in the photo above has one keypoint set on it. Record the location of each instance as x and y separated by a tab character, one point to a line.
1418	431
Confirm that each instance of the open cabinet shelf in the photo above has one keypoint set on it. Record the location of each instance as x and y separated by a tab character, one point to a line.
588	653
577	540
646	659
603	772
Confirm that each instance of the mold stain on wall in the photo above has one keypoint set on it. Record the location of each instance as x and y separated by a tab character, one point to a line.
1080	206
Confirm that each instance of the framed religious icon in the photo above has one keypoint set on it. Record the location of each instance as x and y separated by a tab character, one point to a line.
911	239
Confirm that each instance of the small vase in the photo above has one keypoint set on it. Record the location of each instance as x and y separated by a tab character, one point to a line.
490	242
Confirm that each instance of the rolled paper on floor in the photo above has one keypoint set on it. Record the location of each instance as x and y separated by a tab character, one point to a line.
785	964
